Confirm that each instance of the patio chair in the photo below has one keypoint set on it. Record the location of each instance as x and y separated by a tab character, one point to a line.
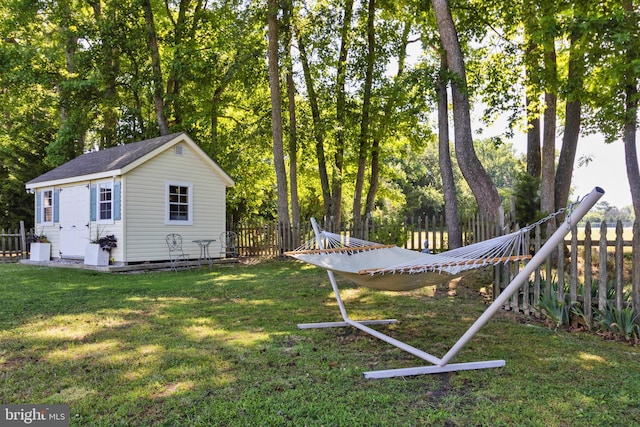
228	240
176	254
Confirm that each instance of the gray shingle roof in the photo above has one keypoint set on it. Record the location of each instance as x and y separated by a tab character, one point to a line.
104	160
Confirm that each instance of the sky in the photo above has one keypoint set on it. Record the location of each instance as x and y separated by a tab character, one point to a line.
607	169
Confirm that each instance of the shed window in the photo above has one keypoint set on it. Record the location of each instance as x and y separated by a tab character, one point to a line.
47	206
105	202
179	203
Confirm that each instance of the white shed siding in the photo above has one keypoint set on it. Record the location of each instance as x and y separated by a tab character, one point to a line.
144	205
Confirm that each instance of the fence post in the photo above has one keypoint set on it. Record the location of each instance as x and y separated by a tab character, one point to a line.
536	274
23	241
588	278
602	267
618	265
548	266
560	271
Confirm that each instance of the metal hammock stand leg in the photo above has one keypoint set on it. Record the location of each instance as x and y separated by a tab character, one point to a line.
440	365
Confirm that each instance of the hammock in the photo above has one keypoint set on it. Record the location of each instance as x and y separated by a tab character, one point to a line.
389	267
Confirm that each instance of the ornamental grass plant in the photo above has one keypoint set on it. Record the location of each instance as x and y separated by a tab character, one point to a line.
220	347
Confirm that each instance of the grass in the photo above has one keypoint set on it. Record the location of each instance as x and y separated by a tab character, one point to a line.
220	347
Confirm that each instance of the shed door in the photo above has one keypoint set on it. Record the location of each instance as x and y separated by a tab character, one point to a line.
74	217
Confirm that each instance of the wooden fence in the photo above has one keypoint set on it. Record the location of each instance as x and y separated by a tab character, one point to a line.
262	238
594	269
13	244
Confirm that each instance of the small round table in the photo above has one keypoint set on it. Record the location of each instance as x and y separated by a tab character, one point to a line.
204	250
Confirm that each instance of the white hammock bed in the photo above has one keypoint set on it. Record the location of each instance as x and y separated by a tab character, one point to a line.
388	267
391	268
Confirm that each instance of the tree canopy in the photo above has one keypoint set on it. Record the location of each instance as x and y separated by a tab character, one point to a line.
357	85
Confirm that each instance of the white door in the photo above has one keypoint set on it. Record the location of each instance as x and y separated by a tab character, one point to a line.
74	218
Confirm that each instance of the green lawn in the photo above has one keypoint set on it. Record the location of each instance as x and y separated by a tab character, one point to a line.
220	347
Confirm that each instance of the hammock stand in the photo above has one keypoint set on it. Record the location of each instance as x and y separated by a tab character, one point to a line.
441	365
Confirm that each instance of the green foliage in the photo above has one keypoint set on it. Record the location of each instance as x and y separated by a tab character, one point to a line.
389	231
557	311
78	76
623	322
527	198
619	322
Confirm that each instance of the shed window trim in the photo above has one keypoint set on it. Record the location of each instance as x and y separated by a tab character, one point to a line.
178	203
47	206
105	200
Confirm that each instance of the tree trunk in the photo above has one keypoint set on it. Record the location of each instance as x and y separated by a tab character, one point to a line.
547	183
70	138
474	173
293	136
158	91
573	108
363	148
341	105
631	118
276	120
534	167
110	65
182	34
533	141
630	149
444	160
318	128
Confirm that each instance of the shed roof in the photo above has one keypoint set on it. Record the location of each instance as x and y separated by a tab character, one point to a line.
114	159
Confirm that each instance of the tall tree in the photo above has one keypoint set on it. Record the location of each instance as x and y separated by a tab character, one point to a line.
483	189
388	111
276	117
547	182
158	86
109	65
630	82
184	25
293	133
341	123
364	137
574	91
318	128
532	84
454	230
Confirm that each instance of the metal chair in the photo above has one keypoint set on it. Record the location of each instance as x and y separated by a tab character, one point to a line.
228	241
174	242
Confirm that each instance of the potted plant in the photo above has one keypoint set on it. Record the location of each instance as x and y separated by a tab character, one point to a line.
99	249
40	247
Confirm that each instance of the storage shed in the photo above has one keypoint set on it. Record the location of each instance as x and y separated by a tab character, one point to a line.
138	192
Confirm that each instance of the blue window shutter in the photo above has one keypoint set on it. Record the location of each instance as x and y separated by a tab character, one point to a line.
38	207
56	204
92	202
116	201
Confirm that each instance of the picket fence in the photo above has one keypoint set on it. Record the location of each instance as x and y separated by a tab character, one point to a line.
592	273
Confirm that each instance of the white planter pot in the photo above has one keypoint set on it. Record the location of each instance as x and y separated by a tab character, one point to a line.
95	255
40	251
